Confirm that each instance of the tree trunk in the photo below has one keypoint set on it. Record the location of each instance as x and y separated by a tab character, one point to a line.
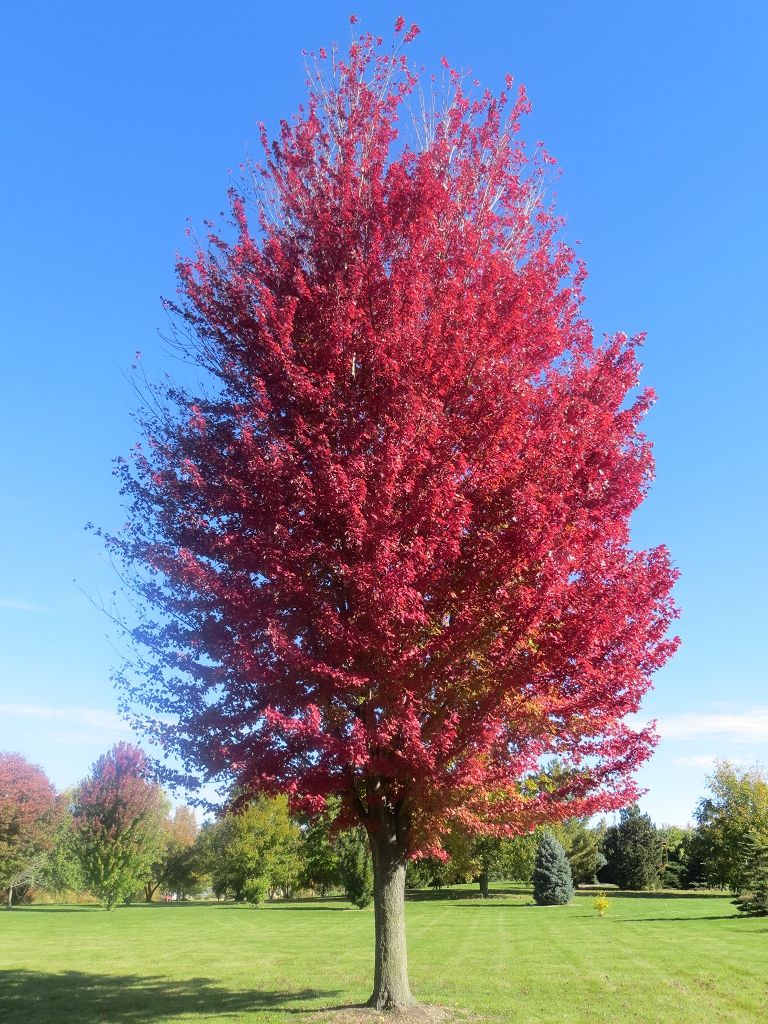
10	897
391	990
484	884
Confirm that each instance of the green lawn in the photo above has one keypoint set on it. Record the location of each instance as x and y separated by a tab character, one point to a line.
681	959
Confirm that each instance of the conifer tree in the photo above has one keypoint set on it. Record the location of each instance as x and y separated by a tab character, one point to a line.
355	868
633	850
319	853
753	895
552	880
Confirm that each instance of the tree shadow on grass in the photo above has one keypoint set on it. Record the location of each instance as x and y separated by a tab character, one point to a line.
77	997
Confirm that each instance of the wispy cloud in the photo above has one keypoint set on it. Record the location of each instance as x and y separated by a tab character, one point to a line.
697	761
22	606
748	726
705	761
94	718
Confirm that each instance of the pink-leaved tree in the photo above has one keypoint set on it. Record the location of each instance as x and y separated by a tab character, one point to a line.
119	817
385	552
28	817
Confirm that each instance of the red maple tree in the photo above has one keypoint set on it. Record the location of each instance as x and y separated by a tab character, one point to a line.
386	553
27	818
118	817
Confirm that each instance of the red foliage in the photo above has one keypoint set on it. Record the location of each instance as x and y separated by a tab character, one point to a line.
389	548
27	809
118	796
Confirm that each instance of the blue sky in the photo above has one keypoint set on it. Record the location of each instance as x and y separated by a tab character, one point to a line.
122	122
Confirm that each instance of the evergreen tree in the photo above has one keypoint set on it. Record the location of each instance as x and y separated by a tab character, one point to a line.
356	867
633	849
429	872
552	881
696	860
753	893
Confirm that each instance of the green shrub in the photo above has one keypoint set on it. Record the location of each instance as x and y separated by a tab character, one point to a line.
255	890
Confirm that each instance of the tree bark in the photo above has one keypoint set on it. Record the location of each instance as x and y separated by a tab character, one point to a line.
10	897
391	990
484	884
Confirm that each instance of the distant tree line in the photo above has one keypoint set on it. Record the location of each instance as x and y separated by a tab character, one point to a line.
116	838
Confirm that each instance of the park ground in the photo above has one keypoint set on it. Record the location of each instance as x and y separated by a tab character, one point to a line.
666	958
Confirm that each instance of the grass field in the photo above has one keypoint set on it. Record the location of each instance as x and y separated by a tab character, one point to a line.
678	959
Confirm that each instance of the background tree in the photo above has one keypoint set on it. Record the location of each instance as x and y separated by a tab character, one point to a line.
552	881
28	874
385	552
753	888
736	806
583	848
27	821
186	871
320	869
633	850
487	857
695	854
118	816
61	871
355	867
582	845
427	872
675	856
175	867
255	850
